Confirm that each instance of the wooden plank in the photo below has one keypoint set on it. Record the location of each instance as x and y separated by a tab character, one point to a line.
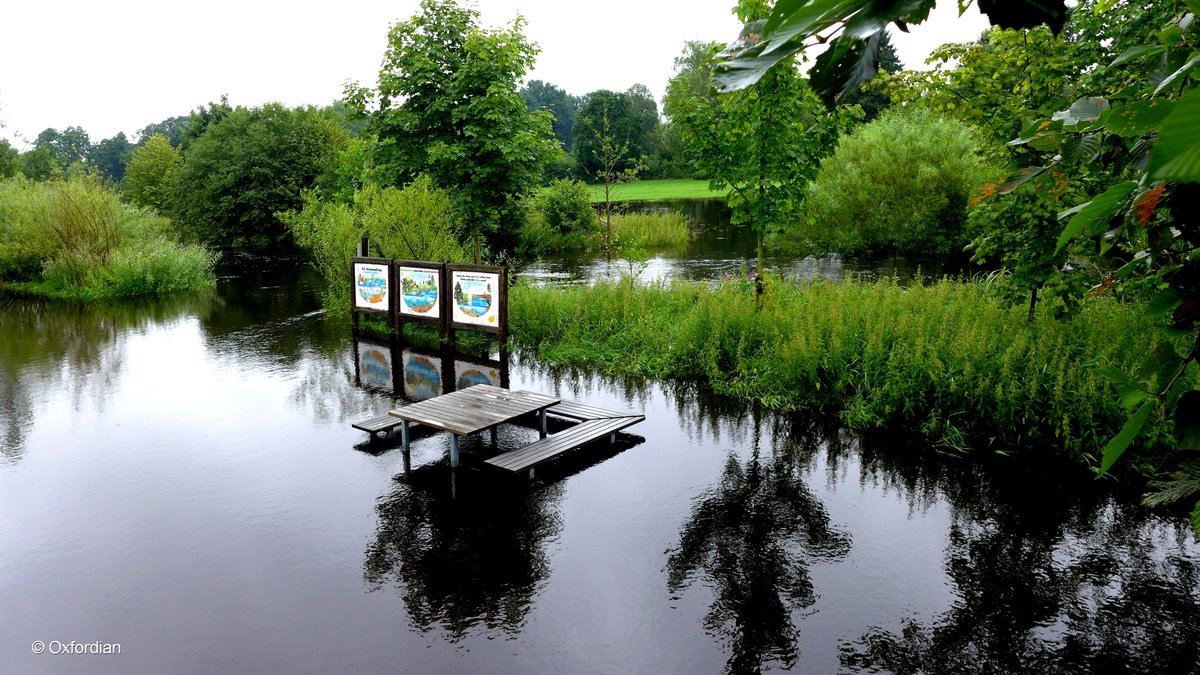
384	422
552	446
584	412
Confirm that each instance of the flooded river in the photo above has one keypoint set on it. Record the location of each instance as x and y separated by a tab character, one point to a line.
181	480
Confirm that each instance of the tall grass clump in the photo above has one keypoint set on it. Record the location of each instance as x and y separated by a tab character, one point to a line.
75	238
943	359
654	229
415	222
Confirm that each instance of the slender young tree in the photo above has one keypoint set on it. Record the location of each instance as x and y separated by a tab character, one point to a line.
763	143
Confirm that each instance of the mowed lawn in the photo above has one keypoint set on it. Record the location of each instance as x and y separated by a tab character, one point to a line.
650	190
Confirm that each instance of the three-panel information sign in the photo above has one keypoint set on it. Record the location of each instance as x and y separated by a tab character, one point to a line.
452	296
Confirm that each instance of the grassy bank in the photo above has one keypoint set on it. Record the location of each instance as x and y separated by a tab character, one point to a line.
75	239
652	230
654	190
943	359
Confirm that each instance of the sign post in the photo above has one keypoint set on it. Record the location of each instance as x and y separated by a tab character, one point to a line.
373	288
477	299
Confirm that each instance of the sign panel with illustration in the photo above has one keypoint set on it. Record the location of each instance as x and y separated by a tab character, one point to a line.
420	290
372	285
374	366
422	375
477	298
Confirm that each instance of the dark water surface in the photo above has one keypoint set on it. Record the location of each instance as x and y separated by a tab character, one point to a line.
181	479
717	249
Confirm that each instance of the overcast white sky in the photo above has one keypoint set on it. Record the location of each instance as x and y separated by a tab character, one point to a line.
118	65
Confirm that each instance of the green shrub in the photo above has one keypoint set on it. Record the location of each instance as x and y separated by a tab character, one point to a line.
74	238
898	184
415	222
565	206
561	220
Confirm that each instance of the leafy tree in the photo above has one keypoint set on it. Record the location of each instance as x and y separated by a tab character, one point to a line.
1147	208
347	117
541	95
763	143
39	164
67	147
150	176
249	166
110	156
615	164
899	184
1018	235
999	83
10	159
448	105
170	128
632	118
201	119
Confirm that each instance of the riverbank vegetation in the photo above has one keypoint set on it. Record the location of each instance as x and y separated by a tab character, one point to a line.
563	219
73	238
415	222
946	359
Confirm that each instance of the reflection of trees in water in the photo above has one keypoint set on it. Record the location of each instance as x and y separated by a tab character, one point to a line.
1049	578
580	383
753	536
326	388
47	347
464	548
269	313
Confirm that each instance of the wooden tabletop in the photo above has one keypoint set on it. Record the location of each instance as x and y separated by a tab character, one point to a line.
474	409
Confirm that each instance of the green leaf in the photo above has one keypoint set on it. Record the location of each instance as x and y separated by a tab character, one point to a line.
1187	421
1095	214
1086	109
1046	142
1164	303
1015	180
847	63
1176	155
1193	5
1181	72
1129	390
1137	53
1140	118
1120	443
1161	365
1035	129
1081	149
1169	35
